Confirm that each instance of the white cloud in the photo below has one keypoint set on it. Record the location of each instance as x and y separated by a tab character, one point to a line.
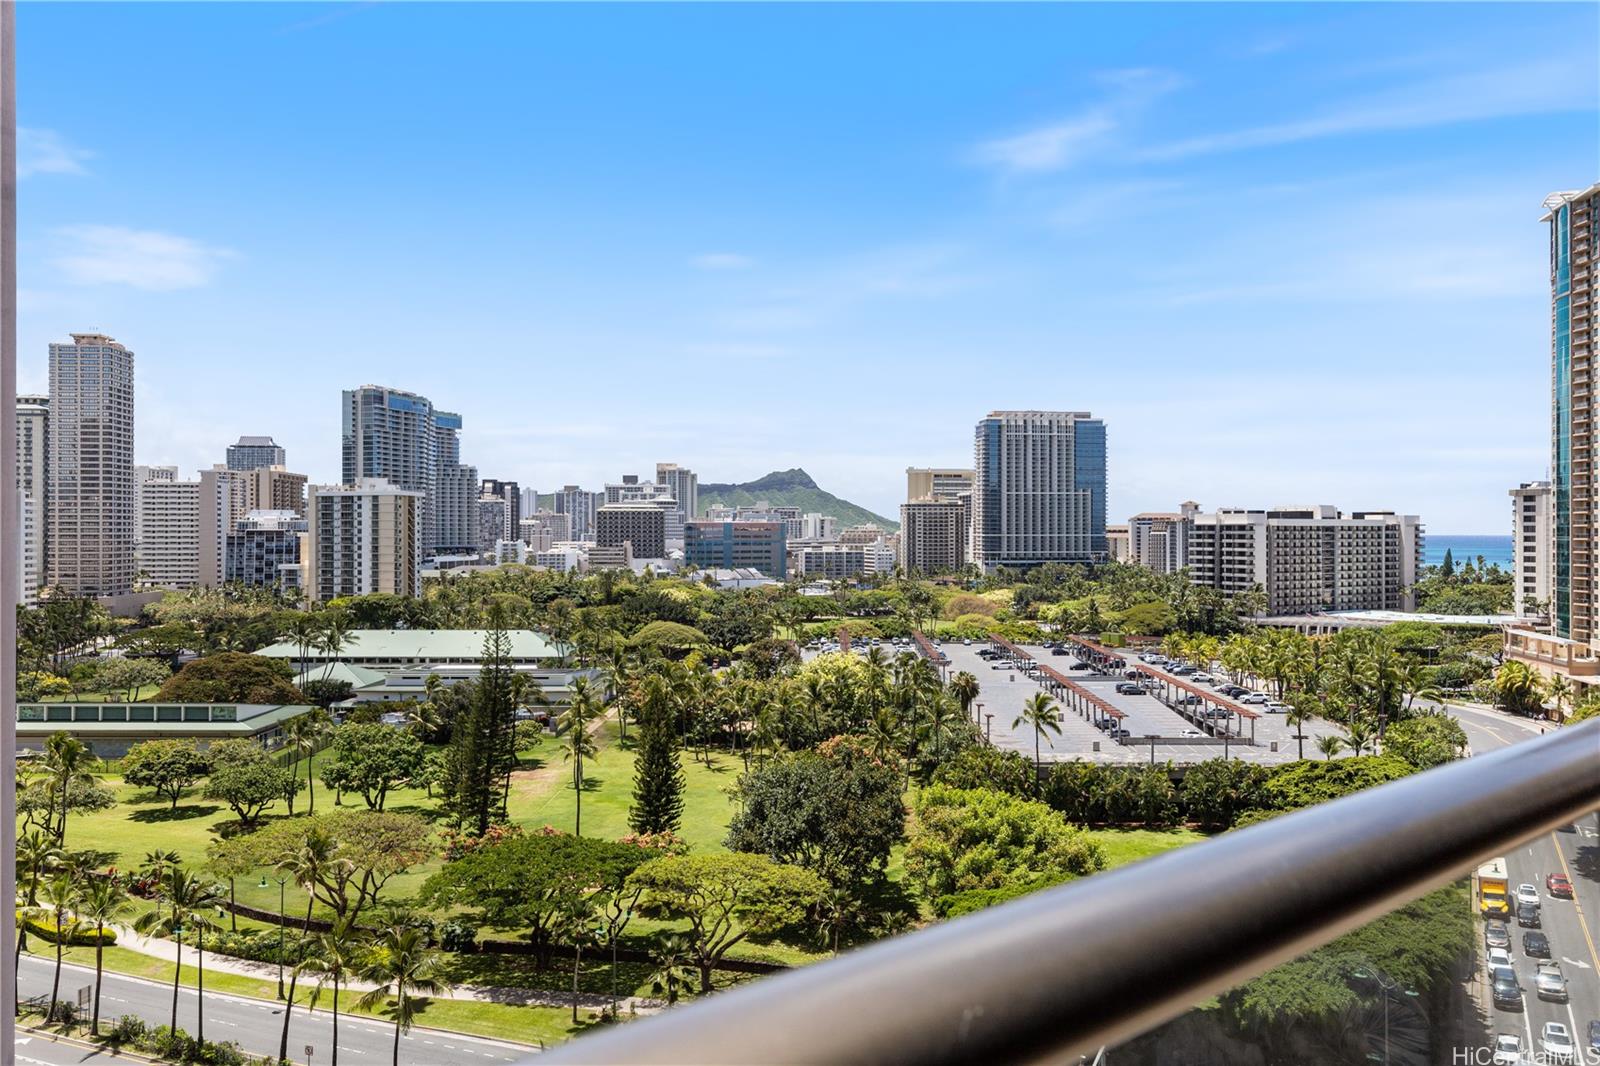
1067	141
47	152
722	261
1547	86
143	259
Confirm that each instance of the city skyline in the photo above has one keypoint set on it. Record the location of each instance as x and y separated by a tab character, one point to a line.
1106	209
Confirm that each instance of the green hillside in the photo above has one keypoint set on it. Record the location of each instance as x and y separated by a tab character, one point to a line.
791	488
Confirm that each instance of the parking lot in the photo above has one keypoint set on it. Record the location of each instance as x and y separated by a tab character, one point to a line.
1151	724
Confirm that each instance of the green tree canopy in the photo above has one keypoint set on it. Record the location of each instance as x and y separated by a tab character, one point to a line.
978	838
372	759
231	677
248	779
166	767
1304	784
1426	741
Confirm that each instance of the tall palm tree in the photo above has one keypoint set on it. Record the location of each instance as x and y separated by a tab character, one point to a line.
67	762
941	712
37	855
964	687
61	896
333	639
582	709
1040	713
155	864
1559	689
1360	736
305	632
189	899
104	902
336	959
401	966
307	863
303	733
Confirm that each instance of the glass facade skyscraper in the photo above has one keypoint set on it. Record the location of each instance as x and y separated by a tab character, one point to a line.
1039	492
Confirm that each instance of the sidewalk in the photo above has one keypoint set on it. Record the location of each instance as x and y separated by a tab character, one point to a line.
167	950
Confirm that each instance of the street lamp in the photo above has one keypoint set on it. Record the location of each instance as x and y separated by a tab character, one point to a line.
988	723
281	882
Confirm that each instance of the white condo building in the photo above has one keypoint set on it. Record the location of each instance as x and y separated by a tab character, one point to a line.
33	466
363	538
1532	551
169	533
90	497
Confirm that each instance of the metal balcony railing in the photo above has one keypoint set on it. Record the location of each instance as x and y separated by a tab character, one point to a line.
1076	968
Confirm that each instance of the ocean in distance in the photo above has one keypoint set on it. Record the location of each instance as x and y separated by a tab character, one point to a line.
1466	546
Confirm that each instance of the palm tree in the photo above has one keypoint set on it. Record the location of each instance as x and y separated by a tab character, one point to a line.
1301	710
1359	736
674	967
104	902
964	687
337	957
1040	713
582	708
305	631
67	762
61	896
303	733
1559	689
941	712
403	966
156	864
189	898
1329	745
333	639
37	855
306	864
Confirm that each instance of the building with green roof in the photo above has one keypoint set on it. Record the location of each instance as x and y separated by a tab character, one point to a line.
110	729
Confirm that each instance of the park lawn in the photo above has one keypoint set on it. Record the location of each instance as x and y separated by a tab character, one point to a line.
145	694
1123	846
528	1025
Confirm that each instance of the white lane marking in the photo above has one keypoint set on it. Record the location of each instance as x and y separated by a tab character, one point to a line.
1575	962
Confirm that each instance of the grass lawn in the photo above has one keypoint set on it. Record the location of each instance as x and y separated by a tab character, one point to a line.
530	1025
1123	846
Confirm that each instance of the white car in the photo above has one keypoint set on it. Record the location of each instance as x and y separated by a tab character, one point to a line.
1274	707
1499	957
1528	894
1254	697
1200	678
1507	1050
1556	1042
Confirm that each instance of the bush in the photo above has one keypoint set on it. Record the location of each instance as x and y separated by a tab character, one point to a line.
459	936
261	945
977	899
43	926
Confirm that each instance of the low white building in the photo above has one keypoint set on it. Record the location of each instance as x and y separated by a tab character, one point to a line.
1532	549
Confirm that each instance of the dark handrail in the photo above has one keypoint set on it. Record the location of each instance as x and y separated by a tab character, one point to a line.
1093	963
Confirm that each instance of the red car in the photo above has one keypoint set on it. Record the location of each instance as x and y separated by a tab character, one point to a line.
1558	886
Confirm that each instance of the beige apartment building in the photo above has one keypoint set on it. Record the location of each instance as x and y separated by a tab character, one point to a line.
934	535
363	538
932	482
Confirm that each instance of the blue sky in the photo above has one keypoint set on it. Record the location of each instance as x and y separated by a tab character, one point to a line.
1289	253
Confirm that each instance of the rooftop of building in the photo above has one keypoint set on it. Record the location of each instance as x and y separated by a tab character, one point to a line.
418	645
255	442
195	717
1556	199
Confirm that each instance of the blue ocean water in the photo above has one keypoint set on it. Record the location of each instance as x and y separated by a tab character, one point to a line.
1463	547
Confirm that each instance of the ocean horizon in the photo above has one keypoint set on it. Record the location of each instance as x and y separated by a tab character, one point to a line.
1464	546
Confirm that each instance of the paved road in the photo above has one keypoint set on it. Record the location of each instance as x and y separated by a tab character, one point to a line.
1573	926
256	1024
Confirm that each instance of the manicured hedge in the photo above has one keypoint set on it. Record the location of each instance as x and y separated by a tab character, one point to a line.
43	926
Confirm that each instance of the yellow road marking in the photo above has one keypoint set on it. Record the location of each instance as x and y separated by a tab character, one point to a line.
1594	956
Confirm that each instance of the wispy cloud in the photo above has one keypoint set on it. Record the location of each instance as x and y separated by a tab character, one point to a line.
41	151
1543	87
143	259
722	261
1069	140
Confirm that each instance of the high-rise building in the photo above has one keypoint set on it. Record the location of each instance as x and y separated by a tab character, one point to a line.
1159	540
930	482
1119	543
225	498
264	550
253	453
1309	559
530	500
817	526
493	512
731	545
400	437
141	473
1531	554
640	524
90	498
581	505
363	538
169	533
33	486
1039	489
683	485
510	492
933	536
544	529
272	488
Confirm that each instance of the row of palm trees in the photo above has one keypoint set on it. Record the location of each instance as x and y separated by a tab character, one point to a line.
397	961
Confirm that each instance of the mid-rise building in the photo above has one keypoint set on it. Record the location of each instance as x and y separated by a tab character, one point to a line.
511	493
580	505
937	483
760	546
30	549
1039	489
224	498
866	533
90	498
253	453
363	538
1532	557
493	514
817	526
33	486
1119	543
142	473
400	437
264	550
683	485
273	488
1159	540
641	525
169	533
933	536
1309	559
837	562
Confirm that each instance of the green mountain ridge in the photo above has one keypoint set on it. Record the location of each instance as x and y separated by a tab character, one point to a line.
791	488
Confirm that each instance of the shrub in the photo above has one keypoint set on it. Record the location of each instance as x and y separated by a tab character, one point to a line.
43	926
459	936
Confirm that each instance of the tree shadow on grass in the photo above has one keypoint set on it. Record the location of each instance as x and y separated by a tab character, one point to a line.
182	813
427	814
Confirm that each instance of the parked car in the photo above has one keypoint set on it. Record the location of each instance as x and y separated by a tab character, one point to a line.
1528	916
1504	989
1234	690
1274	707
1496	935
1555	1040
1059	651
1550	982
1594	1037
1535	944
1200	678
1254	698
1191	733
1128	688
1558	886
1119	733
1508	1050
1081	666
967	641
1526	893
1499	957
